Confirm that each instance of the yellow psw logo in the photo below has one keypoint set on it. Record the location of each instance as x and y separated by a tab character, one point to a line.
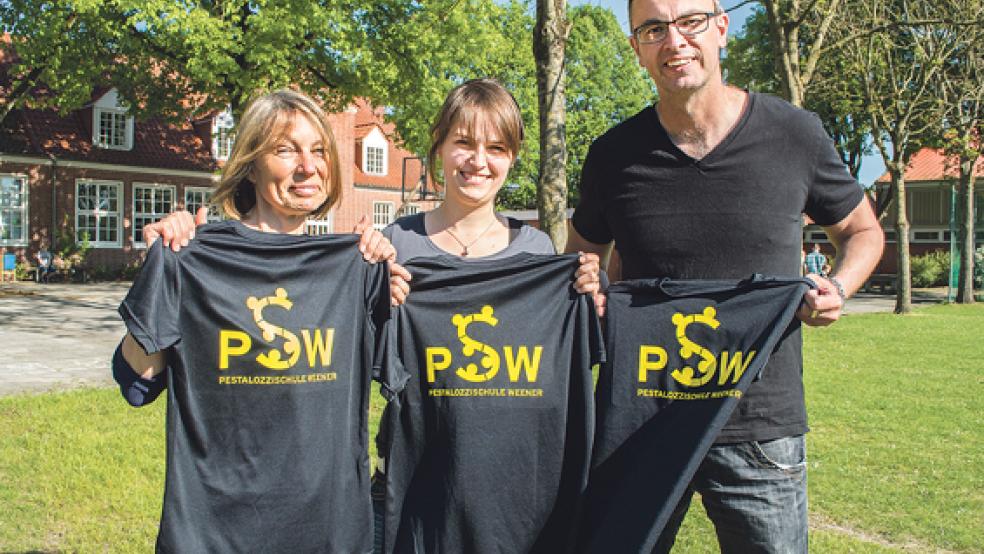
729	366
317	342
517	361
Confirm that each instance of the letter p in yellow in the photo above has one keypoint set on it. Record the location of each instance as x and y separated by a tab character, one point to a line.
226	349
646	364
433	364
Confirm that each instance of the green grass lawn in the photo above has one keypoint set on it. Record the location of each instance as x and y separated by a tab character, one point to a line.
896	451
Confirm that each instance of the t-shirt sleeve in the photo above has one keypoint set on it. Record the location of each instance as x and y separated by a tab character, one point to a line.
134	388
385	370
834	192
388	369
150	310
540	243
588	219
596	336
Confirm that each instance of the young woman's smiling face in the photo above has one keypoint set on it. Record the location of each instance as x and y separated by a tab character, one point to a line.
475	163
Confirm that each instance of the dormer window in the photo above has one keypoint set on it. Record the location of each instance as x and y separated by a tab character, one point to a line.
111	126
374	150
222	135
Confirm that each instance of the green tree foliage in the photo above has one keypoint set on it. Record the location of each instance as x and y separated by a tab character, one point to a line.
604	86
831	91
180	59
962	88
161	53
899	68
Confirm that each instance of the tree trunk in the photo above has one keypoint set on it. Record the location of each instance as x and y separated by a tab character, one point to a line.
785	49
903	277
965	231
549	43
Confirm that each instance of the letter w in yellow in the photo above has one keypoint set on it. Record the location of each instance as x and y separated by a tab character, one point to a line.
734	365
521	361
316	347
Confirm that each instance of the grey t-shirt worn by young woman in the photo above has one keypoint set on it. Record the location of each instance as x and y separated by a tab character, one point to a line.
409	236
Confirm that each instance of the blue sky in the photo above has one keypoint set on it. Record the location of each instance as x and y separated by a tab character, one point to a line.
871	167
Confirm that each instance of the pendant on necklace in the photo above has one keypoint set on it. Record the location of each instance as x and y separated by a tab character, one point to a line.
464	252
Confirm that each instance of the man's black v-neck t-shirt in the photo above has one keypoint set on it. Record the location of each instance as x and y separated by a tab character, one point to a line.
735	212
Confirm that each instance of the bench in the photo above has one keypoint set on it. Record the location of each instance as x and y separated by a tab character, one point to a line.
69	275
880	282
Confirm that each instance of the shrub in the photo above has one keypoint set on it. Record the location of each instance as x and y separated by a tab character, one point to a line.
931	269
69	253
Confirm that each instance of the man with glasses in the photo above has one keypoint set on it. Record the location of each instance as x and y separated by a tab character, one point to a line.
710	183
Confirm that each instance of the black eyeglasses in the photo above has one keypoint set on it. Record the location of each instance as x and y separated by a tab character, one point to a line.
688	25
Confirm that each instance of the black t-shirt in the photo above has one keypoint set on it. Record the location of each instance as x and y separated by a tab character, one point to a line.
735	212
681	355
492	431
269	341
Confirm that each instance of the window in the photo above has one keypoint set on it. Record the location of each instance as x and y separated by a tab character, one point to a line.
317	227
889	236
929	207
196	197
382	214
97	213
817	236
927	236
222	135
111	127
150	203
410	209
374	148
374	160
13	210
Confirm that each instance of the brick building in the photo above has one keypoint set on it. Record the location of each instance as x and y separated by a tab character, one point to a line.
929	182
101	174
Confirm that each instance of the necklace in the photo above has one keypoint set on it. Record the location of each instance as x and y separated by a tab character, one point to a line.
465	247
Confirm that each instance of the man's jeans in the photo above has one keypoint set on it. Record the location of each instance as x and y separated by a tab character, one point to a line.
754	493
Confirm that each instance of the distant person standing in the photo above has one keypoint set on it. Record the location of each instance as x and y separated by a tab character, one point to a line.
45	266
816	263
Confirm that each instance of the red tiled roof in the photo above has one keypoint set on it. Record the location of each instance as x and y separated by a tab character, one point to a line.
155	143
362	130
929	164
368	118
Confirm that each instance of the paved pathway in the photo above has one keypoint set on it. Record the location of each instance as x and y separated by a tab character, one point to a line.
59	335
63	335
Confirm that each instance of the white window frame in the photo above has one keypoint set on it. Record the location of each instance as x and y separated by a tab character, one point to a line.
322	226
815	235
152	216
222	135
23	208
213	213
100	213
109	104
410	209
382	214
375	140
937	233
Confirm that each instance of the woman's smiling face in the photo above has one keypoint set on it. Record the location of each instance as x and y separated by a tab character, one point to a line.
292	178
475	163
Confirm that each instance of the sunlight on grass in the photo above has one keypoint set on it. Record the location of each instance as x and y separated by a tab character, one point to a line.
896	452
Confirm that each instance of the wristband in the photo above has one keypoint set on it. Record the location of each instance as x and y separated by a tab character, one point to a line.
839	286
